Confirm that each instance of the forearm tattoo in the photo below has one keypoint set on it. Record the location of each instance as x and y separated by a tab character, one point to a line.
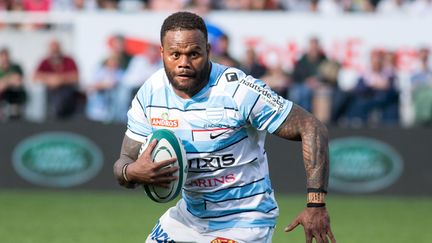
128	154
303	126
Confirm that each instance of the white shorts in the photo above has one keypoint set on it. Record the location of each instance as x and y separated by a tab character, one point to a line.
169	230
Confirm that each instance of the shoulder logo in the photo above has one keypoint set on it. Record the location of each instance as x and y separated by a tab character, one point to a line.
231	77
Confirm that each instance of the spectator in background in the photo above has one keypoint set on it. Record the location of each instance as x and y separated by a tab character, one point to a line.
366	6
305	75
252	66
275	77
200	6
393	6
295	5
101	92
59	73
37	5
221	54
375	95
164	5
5	5
73	5
330	101
330	7
118	48
139	70
108	4
250	5
421	83
12	92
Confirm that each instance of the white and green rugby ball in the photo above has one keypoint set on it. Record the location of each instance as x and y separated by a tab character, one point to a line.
168	146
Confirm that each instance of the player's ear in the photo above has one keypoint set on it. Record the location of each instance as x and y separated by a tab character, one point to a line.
161	51
208	48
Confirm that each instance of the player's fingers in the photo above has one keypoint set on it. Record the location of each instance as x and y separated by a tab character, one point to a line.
165	180
164	185
308	237
318	237
167	171
331	236
164	163
150	148
292	226
324	237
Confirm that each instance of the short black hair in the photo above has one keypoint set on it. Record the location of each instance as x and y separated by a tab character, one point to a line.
183	21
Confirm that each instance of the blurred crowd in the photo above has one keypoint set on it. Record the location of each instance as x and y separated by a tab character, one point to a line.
313	83
318	6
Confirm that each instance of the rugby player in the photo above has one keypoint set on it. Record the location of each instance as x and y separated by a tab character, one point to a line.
222	116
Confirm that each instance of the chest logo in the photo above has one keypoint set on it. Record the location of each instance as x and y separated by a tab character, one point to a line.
164	121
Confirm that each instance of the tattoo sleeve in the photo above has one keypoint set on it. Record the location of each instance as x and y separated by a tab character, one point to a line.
300	125
129	153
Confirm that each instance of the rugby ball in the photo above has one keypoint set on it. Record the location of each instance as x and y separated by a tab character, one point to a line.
168	146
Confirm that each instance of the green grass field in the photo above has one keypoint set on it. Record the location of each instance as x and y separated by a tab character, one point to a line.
108	217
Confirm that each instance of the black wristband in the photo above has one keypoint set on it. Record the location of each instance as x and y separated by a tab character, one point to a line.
316	190
315	205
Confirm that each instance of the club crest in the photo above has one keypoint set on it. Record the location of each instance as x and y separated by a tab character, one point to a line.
215	114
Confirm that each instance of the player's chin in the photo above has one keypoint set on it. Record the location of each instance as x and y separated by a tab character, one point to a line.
185	83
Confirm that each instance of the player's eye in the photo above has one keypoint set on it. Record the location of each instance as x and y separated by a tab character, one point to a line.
194	54
175	55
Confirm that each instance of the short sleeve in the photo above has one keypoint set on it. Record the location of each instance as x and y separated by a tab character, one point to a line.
138	127
260	106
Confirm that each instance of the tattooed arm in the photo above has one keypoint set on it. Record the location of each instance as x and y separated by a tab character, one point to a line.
302	126
128	154
130	170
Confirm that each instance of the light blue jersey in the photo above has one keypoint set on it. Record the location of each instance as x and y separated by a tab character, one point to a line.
223	130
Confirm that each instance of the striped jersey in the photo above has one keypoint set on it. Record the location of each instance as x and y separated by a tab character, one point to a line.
223	129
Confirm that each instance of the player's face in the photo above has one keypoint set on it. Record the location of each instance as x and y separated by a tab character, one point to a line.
185	55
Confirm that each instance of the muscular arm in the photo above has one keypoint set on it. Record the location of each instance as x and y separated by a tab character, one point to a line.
128	154
300	125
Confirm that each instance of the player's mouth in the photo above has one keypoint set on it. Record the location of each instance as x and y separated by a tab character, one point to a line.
185	76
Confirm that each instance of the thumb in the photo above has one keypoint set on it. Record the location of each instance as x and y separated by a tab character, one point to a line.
292	226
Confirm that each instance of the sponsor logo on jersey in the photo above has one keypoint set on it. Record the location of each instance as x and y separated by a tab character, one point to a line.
223	240
218	126
210	134
57	159
164	121
272	99
360	165
231	77
216	135
211	163
213	181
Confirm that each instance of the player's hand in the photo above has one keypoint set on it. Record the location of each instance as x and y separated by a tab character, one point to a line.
316	224
144	171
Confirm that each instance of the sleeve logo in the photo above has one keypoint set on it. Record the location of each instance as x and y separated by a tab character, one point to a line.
231	77
266	94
